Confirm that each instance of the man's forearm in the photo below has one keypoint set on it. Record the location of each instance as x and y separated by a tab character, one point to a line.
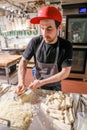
21	72
57	77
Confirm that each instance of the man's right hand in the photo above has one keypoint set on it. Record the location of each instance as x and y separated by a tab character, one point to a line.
19	89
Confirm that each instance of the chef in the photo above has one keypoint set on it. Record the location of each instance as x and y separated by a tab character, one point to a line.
52	54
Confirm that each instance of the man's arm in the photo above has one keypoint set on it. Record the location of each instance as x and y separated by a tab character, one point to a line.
59	76
22	71
55	78
21	76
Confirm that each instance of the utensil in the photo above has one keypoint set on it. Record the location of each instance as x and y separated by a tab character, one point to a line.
7	127
4	91
16	96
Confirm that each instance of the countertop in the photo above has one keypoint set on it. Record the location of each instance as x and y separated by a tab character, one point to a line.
6	60
41	121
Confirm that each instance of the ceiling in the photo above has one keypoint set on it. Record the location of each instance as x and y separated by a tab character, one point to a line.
12	5
24	6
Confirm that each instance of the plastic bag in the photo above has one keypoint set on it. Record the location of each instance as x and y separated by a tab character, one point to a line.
81	121
82	105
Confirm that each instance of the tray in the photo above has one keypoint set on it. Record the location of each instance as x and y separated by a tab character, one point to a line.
41	121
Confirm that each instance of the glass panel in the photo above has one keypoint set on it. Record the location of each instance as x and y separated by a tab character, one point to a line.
77	30
79	61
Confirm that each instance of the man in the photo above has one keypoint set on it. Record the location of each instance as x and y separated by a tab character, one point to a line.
52	54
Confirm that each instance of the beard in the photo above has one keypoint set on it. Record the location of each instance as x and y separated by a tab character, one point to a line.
49	39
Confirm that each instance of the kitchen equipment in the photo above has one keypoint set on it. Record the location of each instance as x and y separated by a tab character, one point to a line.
7	127
40	119
4	91
16	97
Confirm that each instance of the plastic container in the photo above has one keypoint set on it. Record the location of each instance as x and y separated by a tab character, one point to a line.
34	72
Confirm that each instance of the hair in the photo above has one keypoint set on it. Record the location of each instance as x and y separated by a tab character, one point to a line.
57	24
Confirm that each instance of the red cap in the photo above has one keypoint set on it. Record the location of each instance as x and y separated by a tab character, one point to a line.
47	12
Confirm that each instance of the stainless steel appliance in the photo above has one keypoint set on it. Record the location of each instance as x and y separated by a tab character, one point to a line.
76	33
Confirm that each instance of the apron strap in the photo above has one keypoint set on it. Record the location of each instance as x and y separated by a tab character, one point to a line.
37	53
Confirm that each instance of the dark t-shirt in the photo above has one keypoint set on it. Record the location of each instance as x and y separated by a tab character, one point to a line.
47	52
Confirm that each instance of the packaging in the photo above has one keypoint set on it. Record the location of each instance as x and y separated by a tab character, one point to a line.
81	115
81	121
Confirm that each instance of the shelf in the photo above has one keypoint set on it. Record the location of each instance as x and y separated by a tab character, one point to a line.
13	49
79	47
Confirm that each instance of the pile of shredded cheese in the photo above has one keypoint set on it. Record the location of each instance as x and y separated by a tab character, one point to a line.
19	114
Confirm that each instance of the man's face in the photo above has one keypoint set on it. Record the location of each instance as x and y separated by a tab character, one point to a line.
49	30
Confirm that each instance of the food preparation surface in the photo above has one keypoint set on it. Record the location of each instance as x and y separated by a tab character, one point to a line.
41	120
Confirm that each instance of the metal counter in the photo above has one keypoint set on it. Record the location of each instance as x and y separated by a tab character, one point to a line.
41	121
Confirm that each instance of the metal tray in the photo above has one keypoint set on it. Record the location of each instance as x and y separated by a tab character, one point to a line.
41	121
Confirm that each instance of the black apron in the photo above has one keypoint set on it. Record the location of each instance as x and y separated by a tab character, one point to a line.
46	70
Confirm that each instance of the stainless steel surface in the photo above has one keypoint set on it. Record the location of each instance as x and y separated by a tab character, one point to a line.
7	127
42	121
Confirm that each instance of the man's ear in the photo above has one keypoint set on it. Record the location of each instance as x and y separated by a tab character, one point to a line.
60	26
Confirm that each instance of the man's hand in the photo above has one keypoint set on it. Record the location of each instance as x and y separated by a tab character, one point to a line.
34	85
19	89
